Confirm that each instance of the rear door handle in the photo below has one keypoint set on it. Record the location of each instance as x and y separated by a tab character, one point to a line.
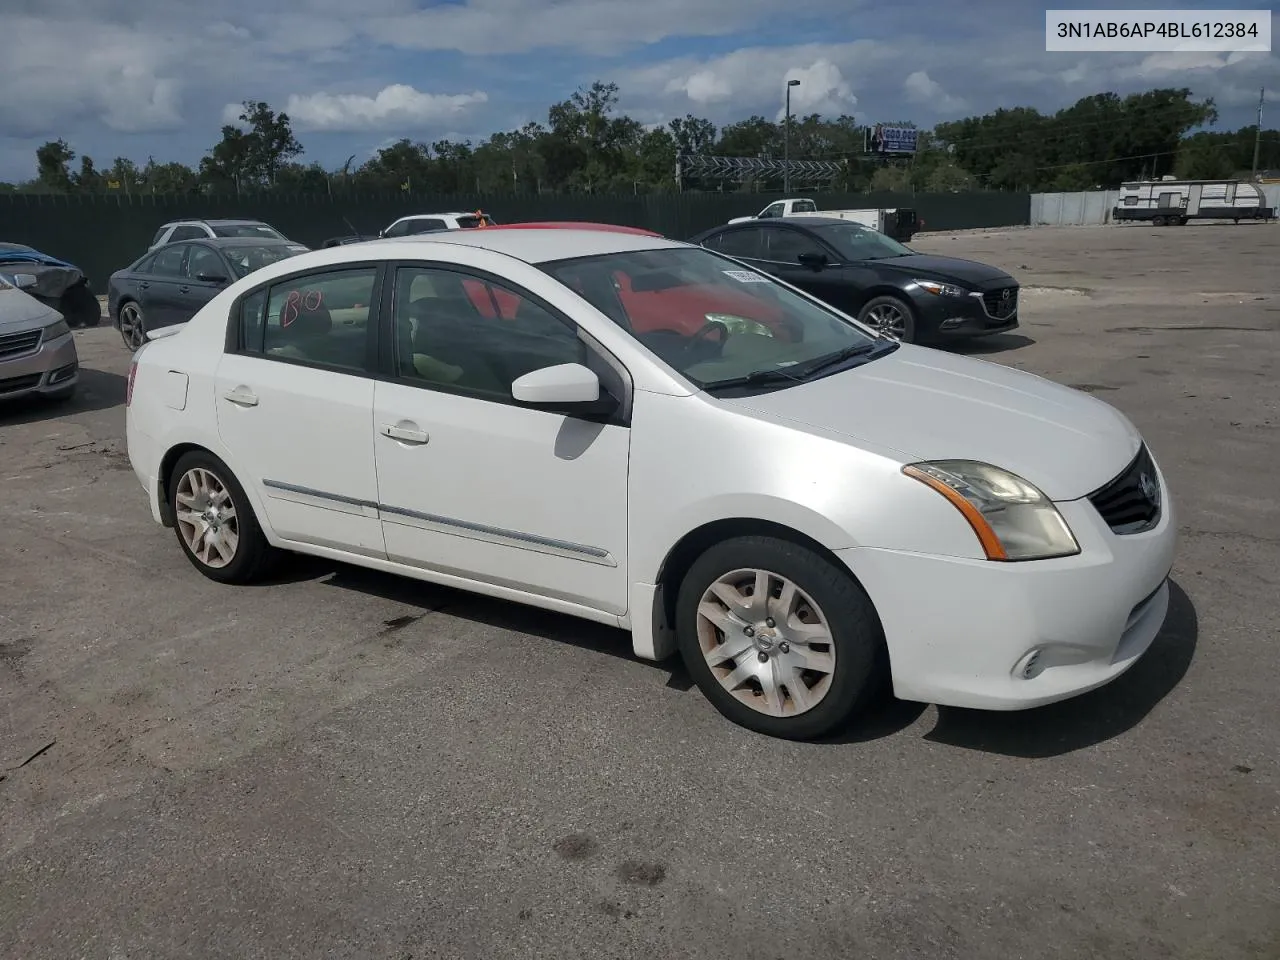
241	397
404	434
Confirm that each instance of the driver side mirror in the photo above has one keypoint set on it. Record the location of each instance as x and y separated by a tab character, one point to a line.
24	281
211	278
568	388
814	261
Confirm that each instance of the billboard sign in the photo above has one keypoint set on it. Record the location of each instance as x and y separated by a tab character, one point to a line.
899	140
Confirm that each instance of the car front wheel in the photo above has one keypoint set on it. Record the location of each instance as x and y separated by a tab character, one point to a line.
778	638
214	522
891	317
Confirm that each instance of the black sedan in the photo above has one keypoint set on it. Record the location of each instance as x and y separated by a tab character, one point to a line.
860	271
168	285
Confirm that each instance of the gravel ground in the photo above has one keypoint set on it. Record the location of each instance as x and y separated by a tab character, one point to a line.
346	764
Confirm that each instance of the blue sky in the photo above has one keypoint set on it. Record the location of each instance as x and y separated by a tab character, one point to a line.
139	78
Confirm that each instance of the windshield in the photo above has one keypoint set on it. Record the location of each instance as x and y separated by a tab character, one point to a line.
471	222
260	230
711	319
246	259
853	241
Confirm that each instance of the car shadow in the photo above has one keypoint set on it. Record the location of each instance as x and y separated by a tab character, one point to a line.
1044	732
475	607
98	390
1087	720
995	343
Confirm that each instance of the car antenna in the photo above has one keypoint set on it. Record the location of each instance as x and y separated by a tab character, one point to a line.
353	230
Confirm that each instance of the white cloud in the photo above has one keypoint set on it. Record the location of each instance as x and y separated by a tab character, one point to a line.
749	80
108	79
488	27
397	107
823	89
922	89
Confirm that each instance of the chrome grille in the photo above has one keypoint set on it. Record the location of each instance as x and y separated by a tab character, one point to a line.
16	344
1001	304
1131	502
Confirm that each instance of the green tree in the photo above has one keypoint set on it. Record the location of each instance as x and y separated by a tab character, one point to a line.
53	160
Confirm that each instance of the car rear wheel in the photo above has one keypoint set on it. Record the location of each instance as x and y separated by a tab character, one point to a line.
133	326
214	521
778	638
891	316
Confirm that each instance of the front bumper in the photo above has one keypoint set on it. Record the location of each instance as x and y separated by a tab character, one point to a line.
961	632
954	318
52	368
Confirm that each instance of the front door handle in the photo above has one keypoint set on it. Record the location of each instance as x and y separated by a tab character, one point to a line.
184	289
242	397
143	284
405	434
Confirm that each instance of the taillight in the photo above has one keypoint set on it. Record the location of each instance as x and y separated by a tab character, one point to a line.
128	390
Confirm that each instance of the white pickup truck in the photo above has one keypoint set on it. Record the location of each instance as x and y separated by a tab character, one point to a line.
901	223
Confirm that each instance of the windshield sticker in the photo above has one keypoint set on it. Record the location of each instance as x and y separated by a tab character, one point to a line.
745	276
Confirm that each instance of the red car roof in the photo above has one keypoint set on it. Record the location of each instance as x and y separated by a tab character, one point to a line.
573	225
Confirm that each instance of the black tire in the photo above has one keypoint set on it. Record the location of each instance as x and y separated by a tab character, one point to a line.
80	307
136	333
1159	221
909	332
856	635
253	555
1182	221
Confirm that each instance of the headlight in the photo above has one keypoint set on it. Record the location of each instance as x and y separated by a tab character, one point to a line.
56	329
1013	520
941	289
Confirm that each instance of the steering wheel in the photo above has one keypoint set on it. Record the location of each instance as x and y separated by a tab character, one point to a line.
703	331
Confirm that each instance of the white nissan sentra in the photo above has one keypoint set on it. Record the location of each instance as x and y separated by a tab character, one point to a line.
650	435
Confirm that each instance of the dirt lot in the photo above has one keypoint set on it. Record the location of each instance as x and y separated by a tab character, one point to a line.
344	764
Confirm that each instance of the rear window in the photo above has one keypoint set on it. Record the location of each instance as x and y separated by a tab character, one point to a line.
804	206
471	222
247	230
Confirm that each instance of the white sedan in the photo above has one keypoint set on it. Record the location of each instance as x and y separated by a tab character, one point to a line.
650	435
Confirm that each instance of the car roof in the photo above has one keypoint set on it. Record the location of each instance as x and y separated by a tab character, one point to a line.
574	225
447	213
232	221
538	245
242	242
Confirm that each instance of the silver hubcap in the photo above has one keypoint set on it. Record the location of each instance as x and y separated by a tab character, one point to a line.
888	319
206	518
131	326
767	642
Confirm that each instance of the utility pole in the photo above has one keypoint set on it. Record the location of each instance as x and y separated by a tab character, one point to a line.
1257	137
786	141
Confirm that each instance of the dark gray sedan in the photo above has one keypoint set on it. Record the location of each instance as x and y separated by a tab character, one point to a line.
168	285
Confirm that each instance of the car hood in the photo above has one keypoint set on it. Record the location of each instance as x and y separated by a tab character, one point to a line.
20	312
931	405
922	266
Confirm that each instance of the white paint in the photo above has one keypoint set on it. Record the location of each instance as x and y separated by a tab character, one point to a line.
569	515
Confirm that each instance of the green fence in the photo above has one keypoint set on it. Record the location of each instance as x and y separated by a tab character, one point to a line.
101	234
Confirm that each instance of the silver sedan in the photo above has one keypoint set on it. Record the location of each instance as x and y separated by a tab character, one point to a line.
37	351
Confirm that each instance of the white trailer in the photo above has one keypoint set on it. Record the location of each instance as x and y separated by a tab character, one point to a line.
1170	201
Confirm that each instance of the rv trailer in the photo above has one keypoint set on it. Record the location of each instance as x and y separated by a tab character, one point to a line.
1172	201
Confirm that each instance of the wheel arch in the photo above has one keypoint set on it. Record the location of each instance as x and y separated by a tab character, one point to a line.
164	476
685	552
